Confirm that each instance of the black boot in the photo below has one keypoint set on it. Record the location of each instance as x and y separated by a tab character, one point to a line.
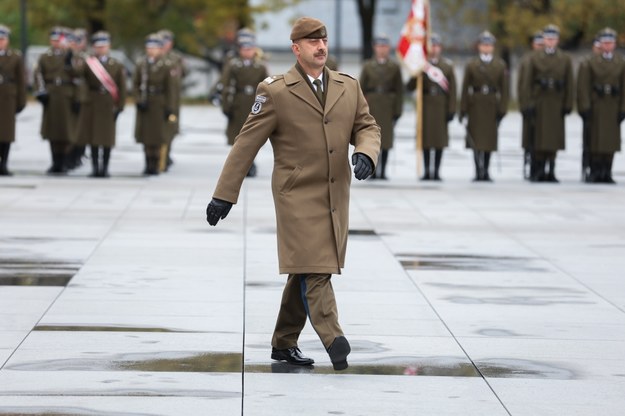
551	176
146	170
607	178
539	171
426	165
4	159
485	175
153	168
384	158
438	157
95	162
477	158
106	156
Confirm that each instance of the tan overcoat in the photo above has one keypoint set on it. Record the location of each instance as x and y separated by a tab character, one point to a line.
312	171
12	92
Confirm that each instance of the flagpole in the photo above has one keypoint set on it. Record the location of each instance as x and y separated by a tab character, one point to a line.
419	128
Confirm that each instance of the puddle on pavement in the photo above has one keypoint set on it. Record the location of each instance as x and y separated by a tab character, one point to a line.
24	272
84	328
62	411
513	368
411	261
277	283
534	300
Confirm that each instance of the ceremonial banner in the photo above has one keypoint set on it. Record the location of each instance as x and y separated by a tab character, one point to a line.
412	48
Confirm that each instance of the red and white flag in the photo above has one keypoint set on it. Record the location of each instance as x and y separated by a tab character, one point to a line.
413	43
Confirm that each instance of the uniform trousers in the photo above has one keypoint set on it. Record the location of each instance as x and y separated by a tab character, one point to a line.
307	295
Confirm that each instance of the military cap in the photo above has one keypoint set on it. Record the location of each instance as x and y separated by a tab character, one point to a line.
538	37
56	33
101	38
153	40
381	39
486	38
246	38
80	34
166	34
607	35
551	31
308	28
435	39
4	32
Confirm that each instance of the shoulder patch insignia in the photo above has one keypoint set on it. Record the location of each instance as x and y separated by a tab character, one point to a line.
258	104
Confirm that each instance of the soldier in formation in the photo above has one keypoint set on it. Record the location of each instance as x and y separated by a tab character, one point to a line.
527	140
105	82
240	80
484	102
549	88
601	104
178	72
77	39
439	106
153	88
382	85
12	95
56	90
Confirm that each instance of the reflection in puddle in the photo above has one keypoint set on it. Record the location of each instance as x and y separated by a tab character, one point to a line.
411	261
63	411
20	272
82	328
513	368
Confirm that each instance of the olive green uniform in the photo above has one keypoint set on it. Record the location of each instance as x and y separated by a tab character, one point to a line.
601	100
54	78
484	101
153	89
12	100
240	82
178	72
549	83
383	87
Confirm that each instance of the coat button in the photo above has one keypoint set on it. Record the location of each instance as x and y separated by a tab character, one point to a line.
331	151
333	210
326	121
332	180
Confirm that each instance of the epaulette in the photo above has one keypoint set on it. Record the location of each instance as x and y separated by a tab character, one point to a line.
273	78
347	75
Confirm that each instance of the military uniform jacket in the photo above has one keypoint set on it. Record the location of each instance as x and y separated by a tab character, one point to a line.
383	87
178	72
549	82
12	92
312	173
601	91
524	97
484	98
152	84
54	76
240	81
437	105
97	116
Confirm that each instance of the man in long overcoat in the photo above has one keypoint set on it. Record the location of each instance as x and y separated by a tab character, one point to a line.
105	82
439	107
154	94
240	79
55	89
311	115
382	84
485	102
601	103
550	83
12	95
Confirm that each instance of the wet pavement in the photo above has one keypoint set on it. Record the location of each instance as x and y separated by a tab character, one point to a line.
459	298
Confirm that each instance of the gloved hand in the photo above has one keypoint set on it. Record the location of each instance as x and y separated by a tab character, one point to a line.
566	112
450	117
363	166
75	107
43	98
143	107
68	58
585	115
216	210
529	112
621	117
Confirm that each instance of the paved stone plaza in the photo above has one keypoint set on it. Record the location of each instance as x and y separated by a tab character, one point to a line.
459	298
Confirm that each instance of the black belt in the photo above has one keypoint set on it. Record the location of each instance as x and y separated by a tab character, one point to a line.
58	81
378	90
550	84
434	90
482	89
607	90
247	90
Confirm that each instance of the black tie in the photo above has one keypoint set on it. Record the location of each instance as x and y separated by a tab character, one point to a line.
318	91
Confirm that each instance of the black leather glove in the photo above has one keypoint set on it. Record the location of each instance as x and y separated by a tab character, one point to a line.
43	98
19	109
585	115
75	107
450	117
529	112
217	210
143	107
621	117
363	166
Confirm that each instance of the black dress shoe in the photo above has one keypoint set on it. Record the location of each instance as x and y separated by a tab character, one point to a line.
291	355
338	352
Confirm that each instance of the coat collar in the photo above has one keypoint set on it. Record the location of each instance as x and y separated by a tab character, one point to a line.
300	88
